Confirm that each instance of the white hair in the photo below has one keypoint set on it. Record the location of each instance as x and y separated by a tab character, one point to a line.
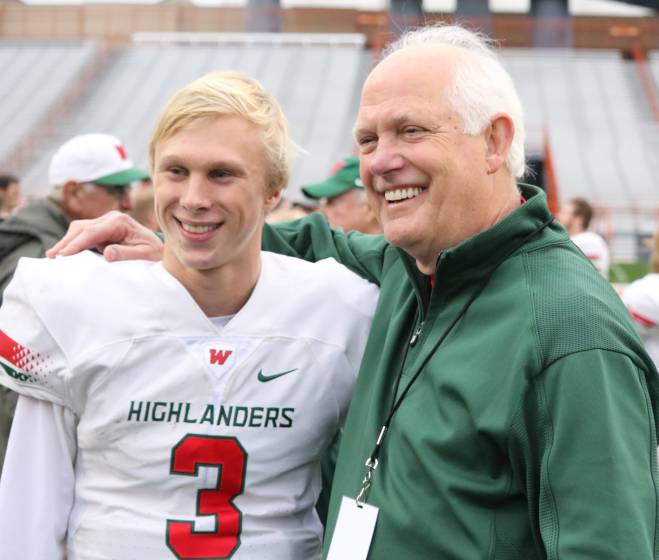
481	88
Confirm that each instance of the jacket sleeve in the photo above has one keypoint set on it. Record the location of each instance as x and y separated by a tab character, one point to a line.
37	484
312	239
592	466
9	262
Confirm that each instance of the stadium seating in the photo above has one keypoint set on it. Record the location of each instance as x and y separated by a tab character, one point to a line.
589	105
653	60
315	82
602	134
34	78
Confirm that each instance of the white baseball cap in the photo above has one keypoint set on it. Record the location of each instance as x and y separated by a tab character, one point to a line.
97	158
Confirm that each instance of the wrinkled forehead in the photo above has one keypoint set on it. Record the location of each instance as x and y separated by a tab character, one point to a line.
413	84
423	74
427	67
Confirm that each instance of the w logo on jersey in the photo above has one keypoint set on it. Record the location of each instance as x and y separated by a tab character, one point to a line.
19	362
219	356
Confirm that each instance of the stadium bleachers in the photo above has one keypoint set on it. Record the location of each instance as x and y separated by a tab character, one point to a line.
603	137
653	63
315	82
35	77
588	104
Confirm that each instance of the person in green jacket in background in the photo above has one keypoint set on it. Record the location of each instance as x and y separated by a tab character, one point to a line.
505	408
89	175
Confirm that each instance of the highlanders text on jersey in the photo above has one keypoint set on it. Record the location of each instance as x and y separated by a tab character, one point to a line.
192	442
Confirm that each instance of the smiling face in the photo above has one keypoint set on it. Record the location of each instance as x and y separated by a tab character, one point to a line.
431	184
210	195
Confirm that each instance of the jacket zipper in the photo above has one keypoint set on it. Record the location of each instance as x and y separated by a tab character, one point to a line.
419	328
417	334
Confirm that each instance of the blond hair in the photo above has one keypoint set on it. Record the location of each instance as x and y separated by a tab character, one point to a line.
226	93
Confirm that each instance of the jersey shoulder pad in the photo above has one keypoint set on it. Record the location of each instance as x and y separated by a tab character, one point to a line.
325	284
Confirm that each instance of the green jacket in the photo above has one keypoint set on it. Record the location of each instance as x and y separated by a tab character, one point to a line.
531	431
30	232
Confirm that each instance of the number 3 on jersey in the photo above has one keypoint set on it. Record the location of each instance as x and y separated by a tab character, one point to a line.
225	453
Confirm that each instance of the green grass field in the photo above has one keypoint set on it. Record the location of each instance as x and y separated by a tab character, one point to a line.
624	273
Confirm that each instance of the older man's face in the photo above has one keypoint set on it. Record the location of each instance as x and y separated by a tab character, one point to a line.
426	179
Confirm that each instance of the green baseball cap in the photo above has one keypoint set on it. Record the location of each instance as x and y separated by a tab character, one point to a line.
345	176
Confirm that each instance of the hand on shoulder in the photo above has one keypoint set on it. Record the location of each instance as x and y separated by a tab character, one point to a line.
118	236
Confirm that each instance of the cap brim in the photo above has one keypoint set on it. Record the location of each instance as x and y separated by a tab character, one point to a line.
327	189
123	177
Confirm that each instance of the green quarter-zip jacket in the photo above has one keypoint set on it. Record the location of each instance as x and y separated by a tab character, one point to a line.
530	432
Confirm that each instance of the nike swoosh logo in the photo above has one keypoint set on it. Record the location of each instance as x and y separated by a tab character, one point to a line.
265	378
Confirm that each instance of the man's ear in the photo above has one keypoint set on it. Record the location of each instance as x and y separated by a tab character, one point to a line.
499	137
71	202
271	200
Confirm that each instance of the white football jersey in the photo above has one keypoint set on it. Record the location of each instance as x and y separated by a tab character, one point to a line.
642	300
191	442
595	248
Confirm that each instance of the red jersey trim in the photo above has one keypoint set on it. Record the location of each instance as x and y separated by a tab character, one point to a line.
641	319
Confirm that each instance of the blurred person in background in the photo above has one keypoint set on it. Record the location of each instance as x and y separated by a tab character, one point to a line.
575	216
146	183
142	207
10	195
289	208
89	175
344	201
642	300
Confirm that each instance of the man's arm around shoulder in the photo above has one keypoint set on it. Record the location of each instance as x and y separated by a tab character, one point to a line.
312	239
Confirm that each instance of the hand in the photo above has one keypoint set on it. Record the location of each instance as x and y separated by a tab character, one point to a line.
116	235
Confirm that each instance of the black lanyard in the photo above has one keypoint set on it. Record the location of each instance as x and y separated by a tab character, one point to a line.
372	461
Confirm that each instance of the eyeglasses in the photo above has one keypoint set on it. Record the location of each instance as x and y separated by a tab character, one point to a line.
116	191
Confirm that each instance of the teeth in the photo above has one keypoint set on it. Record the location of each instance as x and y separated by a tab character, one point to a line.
197	229
402	194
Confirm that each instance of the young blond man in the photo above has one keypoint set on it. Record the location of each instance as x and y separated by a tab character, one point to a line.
160	416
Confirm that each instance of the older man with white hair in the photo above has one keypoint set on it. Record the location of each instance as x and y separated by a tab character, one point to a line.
505	407
89	175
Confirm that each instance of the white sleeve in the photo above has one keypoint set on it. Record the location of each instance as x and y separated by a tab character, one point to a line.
355	299
31	360
359	298
642	300
37	482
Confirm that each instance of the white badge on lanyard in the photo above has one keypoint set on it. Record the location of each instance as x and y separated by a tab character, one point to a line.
355	523
353	531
